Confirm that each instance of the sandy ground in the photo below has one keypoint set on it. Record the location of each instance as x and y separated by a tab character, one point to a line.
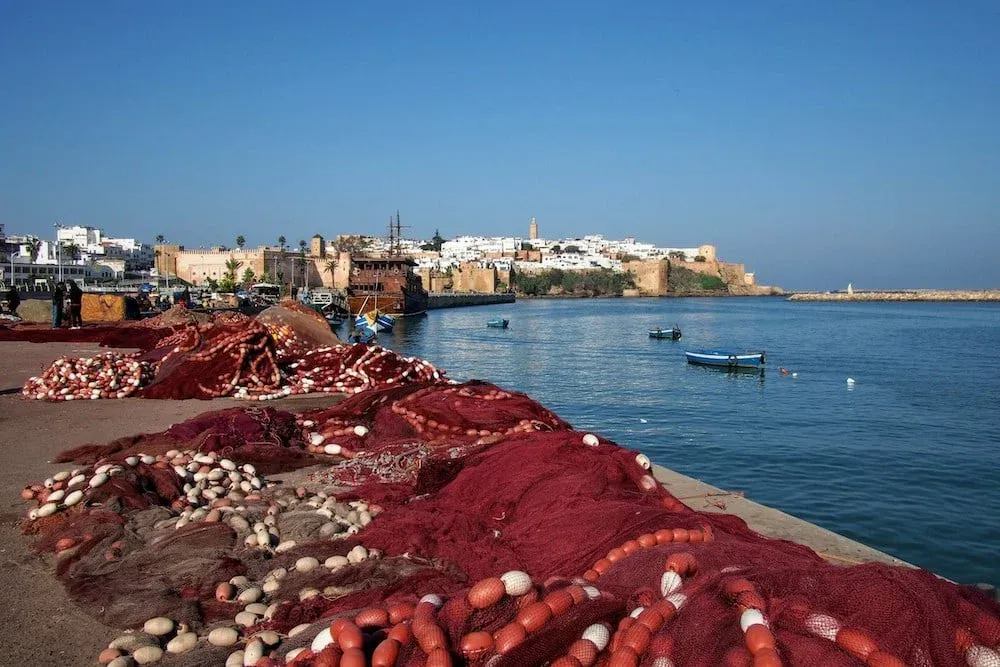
39	623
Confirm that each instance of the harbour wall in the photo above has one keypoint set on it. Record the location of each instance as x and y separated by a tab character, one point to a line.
452	300
914	295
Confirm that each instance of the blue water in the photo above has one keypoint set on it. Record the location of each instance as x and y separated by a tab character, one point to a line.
907	461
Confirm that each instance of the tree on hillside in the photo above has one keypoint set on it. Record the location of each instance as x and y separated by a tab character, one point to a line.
240	241
700	258
351	243
281	242
248	276
526	246
556	249
679	255
572	249
160	239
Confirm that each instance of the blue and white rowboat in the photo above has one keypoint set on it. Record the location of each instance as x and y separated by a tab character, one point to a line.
726	359
376	321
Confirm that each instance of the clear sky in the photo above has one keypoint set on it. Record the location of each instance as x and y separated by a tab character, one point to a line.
818	142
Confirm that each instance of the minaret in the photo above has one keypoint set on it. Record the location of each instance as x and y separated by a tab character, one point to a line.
533	230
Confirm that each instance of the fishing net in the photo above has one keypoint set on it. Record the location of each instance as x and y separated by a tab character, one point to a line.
296	329
213	360
470	525
177	315
269	439
121	335
288	350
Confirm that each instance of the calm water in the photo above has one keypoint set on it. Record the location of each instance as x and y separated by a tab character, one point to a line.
906	462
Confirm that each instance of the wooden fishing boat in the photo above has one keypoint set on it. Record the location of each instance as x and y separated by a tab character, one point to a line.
498	324
730	360
375	320
674	333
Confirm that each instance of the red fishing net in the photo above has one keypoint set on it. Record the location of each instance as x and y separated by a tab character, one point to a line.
288	350
480	530
296	329
123	335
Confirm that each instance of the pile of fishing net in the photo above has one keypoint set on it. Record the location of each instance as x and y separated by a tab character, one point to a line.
296	330
125	334
288	350
104	376
463	524
176	315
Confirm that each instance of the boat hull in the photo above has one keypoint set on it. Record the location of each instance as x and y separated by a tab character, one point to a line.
733	361
395	304
665	334
376	321
498	324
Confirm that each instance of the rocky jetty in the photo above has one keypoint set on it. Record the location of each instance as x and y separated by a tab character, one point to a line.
914	295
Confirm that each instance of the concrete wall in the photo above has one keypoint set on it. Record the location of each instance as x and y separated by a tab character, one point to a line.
651	276
435	301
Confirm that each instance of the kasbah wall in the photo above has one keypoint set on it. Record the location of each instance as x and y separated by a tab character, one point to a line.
652	276
472	278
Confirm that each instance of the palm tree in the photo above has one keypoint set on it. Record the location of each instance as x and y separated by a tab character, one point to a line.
281	242
72	251
34	247
232	265
160	239
302	248
240	241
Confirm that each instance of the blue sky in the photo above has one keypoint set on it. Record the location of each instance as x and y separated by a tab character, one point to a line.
818	142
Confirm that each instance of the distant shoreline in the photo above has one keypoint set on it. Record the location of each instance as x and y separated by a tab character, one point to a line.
899	295
669	295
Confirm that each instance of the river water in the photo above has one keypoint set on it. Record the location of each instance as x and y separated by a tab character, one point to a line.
906	461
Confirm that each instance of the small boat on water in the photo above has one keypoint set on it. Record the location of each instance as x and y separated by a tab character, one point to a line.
363	335
375	320
729	360
498	324
674	333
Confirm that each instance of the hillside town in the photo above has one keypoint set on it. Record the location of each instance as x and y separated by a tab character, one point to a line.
472	264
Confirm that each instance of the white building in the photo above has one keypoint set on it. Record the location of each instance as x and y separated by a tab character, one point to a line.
94	246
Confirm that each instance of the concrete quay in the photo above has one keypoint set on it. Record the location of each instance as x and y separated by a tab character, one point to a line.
914	295
436	300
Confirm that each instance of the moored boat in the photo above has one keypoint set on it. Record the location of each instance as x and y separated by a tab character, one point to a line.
730	360
497	323
674	333
375	320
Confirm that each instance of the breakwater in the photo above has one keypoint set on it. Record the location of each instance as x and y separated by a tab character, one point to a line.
913	295
454	300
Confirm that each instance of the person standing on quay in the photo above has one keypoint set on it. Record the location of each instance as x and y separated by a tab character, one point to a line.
13	300
75	305
57	305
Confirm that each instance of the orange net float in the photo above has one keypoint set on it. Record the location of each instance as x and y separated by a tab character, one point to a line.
757	636
645	541
854	641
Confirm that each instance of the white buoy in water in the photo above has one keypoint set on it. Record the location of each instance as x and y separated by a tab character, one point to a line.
795	375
